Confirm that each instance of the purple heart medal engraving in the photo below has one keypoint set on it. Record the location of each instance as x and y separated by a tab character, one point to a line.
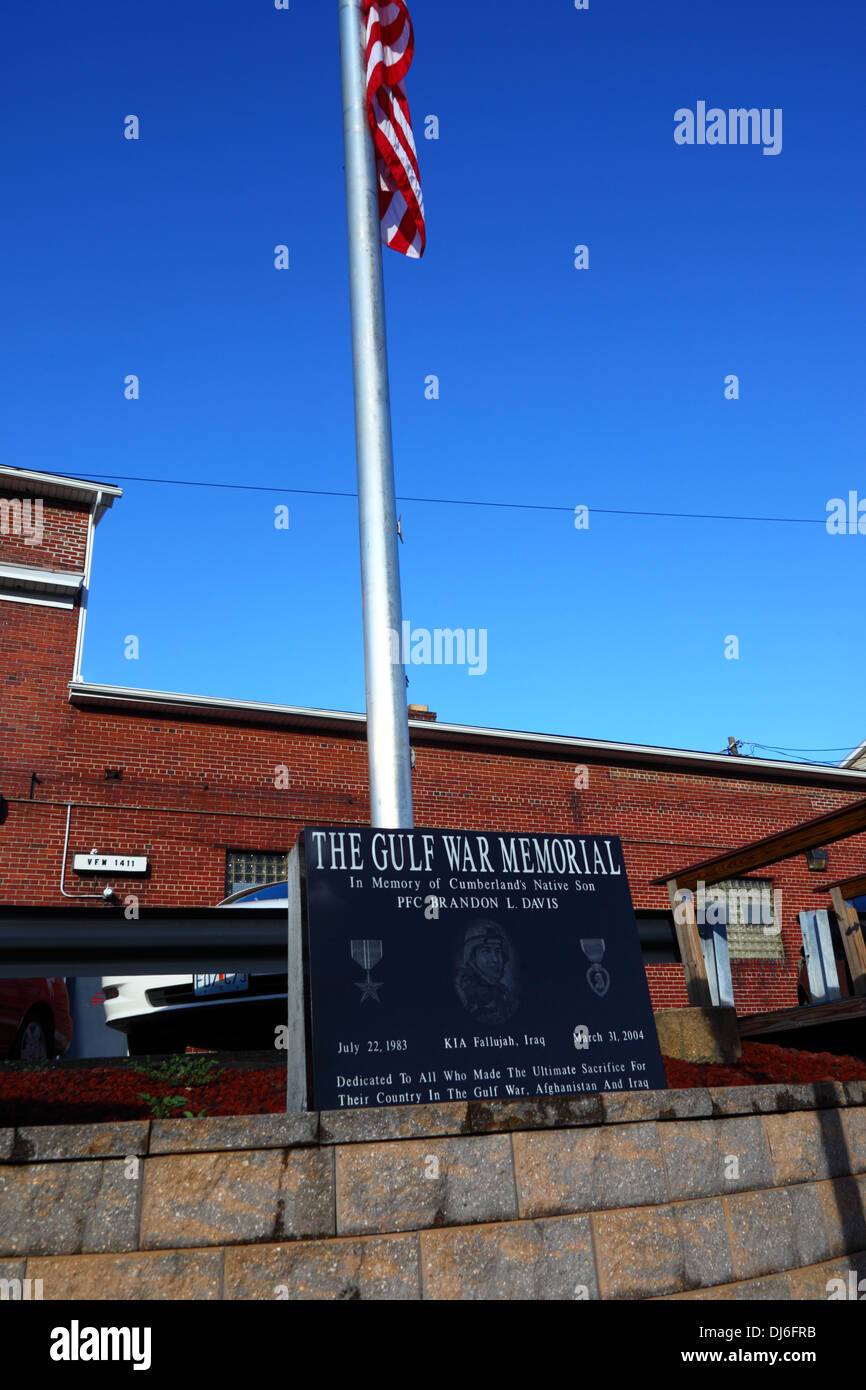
597	976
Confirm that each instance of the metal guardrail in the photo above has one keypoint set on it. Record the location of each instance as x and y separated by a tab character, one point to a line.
39	941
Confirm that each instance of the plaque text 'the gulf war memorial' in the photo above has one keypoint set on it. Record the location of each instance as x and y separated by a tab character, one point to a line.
452	965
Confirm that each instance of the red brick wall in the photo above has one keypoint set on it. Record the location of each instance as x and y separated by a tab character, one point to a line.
37	650
63	542
192	789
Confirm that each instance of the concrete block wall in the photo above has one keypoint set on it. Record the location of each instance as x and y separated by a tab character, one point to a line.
746	1192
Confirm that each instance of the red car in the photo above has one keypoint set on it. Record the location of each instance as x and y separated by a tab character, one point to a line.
35	1022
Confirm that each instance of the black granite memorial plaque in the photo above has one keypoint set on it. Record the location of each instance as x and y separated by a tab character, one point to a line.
448	965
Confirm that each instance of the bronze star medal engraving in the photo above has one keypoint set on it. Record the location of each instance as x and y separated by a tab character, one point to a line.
367	954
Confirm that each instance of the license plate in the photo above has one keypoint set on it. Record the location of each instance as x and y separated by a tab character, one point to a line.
220	984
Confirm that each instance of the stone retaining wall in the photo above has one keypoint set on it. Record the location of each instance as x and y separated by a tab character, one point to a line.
742	1192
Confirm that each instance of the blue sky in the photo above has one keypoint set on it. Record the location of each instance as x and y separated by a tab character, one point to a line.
558	387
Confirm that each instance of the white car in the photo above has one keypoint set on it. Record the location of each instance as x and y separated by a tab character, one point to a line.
167	1013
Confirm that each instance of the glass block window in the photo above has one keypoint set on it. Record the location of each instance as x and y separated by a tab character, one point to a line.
749	912
250	868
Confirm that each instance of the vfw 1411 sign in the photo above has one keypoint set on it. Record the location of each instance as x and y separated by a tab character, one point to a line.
458	965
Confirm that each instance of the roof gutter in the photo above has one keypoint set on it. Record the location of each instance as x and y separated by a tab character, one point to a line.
496	741
57	485
97	507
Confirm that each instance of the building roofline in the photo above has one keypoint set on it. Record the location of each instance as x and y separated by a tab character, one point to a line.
850	758
177	705
100	495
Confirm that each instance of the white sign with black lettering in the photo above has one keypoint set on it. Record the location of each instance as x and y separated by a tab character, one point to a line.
110	863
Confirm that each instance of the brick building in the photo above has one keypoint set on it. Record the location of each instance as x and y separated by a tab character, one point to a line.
214	791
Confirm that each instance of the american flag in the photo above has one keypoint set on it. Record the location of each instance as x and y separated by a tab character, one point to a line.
390	47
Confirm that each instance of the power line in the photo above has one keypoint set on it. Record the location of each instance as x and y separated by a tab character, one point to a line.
774	749
799	753
735	745
457	501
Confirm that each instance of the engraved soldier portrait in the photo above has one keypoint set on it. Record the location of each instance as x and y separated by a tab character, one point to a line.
485	973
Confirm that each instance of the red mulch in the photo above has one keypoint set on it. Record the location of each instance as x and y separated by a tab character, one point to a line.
762	1063
88	1095
78	1095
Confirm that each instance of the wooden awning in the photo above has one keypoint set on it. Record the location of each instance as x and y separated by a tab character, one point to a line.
810	834
851	887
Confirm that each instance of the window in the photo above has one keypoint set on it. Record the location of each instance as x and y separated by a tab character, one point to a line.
748	907
248	868
658	938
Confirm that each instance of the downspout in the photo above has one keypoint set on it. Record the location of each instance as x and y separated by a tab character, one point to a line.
85	591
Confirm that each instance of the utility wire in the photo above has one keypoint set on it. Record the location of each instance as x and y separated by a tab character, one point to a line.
772	747
511	506
800	757
784	752
457	501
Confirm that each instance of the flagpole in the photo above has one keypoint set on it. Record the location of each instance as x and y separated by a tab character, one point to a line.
387	714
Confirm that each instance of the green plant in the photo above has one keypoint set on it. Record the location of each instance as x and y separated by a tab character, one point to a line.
167	1107
184	1071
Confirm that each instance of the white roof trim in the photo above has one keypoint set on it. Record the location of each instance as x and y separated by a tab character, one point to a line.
32	599
27	579
688	759
101	495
